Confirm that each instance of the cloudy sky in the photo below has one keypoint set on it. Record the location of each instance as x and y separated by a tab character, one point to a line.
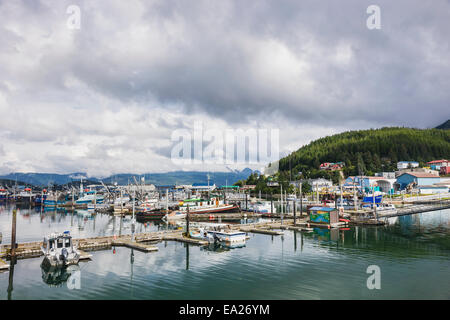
108	97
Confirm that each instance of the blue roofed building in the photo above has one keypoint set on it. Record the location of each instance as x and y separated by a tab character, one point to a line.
417	178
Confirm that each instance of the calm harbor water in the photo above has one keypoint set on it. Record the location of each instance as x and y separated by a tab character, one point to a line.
413	255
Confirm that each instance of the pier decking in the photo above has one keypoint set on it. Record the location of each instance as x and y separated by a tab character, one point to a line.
419	208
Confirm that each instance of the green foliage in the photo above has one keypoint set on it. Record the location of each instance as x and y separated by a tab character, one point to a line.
369	151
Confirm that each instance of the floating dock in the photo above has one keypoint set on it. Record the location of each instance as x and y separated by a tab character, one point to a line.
3	265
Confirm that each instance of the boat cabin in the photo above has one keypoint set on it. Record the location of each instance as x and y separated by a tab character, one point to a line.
58	241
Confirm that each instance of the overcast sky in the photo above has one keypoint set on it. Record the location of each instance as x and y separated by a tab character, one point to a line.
107	97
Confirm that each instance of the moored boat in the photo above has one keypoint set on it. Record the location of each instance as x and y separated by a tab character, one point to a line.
212	205
59	250
151	214
226	236
3	194
90	197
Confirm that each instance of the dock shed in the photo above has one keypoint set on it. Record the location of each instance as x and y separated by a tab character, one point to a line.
325	215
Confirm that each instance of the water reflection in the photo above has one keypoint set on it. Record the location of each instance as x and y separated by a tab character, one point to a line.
298	265
57	276
33	224
12	264
222	246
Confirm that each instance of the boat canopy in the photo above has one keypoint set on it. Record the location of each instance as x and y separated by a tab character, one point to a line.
194	200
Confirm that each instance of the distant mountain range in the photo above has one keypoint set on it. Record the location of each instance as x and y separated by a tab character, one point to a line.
167	178
445	125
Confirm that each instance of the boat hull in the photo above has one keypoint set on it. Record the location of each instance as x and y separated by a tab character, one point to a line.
224	209
156	214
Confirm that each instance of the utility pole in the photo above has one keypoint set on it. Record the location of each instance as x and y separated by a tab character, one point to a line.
13	235
133	219
73	198
301	200
208	187
167	200
187	222
295	216
121	202
374	204
271	202
281	202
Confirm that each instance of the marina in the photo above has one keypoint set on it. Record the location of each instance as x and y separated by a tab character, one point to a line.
164	234
72	228
174	265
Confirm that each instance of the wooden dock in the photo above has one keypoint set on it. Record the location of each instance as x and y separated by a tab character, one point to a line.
134	245
141	243
4	266
418	209
263	231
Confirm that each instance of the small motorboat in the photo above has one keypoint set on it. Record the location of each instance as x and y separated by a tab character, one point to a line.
219	236
386	209
174	215
59	250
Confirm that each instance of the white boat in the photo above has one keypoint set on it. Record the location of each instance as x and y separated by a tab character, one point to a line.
386	209
212	205
391	220
90	197
174	215
59	250
260	207
148	204
219	235
92	206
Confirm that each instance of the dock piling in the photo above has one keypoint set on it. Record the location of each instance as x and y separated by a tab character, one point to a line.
295	213
13	235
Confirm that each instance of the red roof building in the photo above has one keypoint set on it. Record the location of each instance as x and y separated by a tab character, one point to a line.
444	170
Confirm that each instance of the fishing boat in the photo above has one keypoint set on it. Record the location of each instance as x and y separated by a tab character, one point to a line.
26	195
93	206
200	205
3	194
59	250
148	204
90	197
40	199
151	214
51	200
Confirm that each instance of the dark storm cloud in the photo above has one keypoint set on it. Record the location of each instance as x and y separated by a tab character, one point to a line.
224	59
138	70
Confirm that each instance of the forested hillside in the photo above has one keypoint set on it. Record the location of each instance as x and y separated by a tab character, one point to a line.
368	151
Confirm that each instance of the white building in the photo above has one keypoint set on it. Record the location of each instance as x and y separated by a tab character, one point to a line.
387	175
434	189
407	164
320	183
